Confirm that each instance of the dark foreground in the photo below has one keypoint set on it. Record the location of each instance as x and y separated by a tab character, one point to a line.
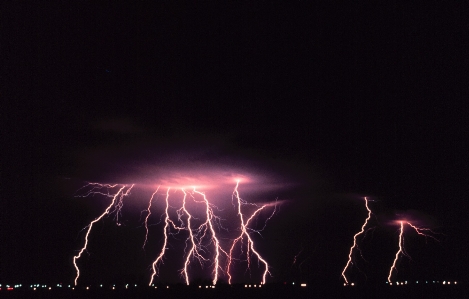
266	291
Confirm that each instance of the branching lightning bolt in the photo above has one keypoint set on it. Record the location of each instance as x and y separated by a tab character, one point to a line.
401	250
194	249
148	216
349	262
202	242
96	189
244	232
195	240
155	265
208	225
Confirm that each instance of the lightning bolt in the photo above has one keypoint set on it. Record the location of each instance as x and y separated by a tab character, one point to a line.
401	250
155	265
349	262
96	189
205	229
296	256
244	233
194	249
208	225
148	216
202	243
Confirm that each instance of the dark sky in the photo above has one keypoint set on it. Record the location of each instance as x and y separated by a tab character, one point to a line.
329	103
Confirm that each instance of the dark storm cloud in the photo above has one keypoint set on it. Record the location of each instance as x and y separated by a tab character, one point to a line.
119	126
128	153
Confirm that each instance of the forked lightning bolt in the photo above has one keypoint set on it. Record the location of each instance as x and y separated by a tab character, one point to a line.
195	240
97	189
208	225
401	250
244	233
194	247
349	262
202	242
148	216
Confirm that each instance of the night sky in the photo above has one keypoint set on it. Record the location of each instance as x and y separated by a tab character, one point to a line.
320	104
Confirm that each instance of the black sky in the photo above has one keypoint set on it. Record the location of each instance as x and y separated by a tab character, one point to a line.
339	101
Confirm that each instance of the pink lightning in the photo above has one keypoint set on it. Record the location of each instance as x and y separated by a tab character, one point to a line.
209	225
401	243
244	232
194	250
202	239
401	250
163	249
89	226
148	216
349	262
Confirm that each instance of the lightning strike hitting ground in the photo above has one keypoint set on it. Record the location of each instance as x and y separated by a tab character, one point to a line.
96	189
202	242
208	224
165	242
401	243
349	262
244	233
194	249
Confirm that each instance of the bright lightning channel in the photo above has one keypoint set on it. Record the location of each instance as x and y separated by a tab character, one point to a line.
148	216
194	249
200	238
96	189
244	232
355	245
401	250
